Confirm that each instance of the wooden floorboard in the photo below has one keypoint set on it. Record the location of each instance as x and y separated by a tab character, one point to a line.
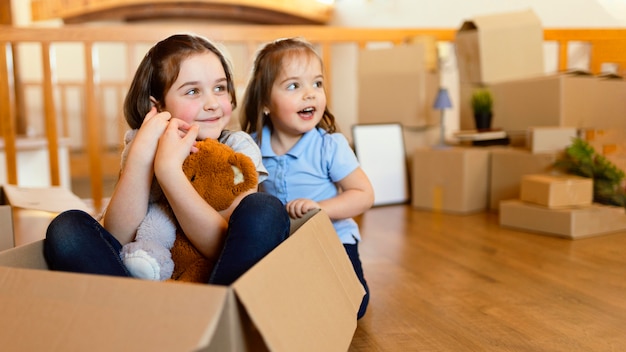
462	283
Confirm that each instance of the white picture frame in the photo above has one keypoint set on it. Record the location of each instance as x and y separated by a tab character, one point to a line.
381	153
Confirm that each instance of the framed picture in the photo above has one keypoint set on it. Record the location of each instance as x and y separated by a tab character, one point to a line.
380	150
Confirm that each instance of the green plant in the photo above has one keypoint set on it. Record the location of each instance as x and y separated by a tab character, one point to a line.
581	159
482	101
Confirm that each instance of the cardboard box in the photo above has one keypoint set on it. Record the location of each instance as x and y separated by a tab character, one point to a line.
550	139
402	90
573	223
303	296
27	211
500	47
565	100
453	180
507	167
556	191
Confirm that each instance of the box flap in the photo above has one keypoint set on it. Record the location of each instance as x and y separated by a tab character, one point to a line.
310	266
497	22
52	199
6	228
55	311
29	256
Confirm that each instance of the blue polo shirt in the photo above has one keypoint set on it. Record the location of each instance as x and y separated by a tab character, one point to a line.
310	170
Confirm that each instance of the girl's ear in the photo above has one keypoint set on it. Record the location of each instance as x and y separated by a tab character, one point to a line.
155	103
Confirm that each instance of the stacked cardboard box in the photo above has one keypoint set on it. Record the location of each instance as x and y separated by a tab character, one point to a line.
560	205
453	180
495	48
508	167
566	100
399	84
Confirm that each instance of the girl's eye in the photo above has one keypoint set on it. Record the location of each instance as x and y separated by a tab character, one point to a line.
318	84
292	86
192	91
220	88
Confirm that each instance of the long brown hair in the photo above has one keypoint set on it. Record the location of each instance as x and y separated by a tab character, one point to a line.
267	66
159	69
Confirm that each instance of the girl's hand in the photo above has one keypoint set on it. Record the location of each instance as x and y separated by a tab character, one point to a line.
174	146
298	207
147	138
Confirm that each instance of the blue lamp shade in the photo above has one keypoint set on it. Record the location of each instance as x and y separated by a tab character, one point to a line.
443	100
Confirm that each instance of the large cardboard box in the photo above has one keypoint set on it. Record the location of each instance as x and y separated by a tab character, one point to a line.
500	47
508	166
303	296
26	212
453	180
556	191
565	100
396	85
573	223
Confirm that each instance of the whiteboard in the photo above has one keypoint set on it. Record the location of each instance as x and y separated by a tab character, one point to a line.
380	151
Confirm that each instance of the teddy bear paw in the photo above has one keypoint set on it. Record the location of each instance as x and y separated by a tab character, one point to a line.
142	265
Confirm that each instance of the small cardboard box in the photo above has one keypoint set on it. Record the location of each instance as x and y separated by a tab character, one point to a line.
303	296
27	211
565	100
556	191
573	223
453	180
402	90
550	139
507	167
500	47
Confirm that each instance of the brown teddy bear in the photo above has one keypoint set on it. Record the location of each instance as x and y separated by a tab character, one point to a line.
219	174
160	250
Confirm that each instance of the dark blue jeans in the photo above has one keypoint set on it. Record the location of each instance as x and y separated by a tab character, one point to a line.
76	242
353	253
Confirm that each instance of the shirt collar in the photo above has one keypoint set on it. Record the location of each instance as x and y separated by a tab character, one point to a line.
296	151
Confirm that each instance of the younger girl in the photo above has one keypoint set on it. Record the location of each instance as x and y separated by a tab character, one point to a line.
309	165
182	92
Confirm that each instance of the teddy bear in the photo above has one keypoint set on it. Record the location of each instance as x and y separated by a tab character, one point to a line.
160	250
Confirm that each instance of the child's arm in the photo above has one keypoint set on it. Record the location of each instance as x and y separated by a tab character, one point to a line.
355	197
204	226
129	201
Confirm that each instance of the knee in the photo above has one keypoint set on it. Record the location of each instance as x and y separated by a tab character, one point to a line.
64	229
263	206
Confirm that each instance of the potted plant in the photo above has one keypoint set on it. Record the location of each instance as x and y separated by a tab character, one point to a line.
482	104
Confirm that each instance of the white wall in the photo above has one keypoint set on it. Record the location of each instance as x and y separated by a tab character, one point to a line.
451	13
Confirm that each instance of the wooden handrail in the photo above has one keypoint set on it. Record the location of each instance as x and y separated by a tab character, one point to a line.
601	41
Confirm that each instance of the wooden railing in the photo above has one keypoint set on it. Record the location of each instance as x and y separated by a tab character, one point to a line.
606	46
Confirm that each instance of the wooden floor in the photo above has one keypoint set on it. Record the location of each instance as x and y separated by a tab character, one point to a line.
462	283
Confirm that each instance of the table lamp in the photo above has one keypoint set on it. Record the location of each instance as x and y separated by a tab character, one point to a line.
442	102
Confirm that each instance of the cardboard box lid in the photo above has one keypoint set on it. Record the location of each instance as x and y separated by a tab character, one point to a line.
56	311
500	47
290	313
52	199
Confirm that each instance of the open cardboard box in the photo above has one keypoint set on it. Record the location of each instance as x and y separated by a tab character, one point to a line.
499	47
25	212
303	296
